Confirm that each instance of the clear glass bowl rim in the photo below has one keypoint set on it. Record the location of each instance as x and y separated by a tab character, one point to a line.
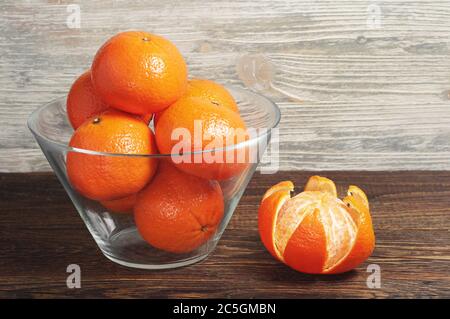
252	141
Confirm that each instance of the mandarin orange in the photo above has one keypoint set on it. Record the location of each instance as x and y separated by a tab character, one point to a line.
120	205
178	212
106	177
314	231
139	72
195	124
210	90
83	102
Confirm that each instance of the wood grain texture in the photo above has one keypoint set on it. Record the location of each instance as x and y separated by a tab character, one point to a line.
41	234
353	96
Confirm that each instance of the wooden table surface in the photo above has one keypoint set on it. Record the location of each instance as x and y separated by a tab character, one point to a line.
41	234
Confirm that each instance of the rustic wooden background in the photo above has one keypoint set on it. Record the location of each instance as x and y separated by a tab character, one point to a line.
42	234
361	84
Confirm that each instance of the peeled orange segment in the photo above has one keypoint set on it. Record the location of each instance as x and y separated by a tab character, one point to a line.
281	186
290	217
321	184
273	200
340	231
306	250
314	231
357	193
365	236
336	224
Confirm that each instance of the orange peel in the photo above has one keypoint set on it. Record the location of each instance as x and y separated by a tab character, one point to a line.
315	231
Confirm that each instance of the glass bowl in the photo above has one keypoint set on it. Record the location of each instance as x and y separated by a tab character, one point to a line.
116	234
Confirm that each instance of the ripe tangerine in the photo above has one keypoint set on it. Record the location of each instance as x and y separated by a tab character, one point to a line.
107	177
139	72
178	212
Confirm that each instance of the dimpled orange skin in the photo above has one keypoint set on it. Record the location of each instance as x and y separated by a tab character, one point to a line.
306	247
102	177
214	121
120	205
139	72
178	212
210	90
82	101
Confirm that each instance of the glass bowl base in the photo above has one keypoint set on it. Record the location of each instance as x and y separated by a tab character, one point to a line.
130	250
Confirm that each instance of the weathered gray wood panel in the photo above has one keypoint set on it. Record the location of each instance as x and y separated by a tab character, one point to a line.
355	94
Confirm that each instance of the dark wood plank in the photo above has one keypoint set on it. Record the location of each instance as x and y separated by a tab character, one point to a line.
41	233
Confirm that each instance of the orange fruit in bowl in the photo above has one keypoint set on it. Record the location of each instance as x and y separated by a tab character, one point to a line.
107	177
194	124
139	72
210	90
120	205
316	232
83	102
178	212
